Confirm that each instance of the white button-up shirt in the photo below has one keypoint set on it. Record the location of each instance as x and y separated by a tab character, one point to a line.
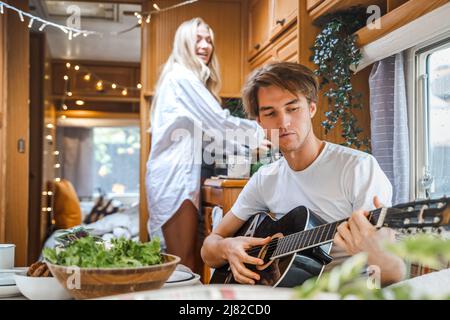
184	110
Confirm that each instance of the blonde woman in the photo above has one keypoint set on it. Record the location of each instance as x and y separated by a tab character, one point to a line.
186	103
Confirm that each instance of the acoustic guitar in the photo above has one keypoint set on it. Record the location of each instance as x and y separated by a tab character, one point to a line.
301	240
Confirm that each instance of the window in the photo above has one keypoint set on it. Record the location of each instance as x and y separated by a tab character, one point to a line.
432	121
116	154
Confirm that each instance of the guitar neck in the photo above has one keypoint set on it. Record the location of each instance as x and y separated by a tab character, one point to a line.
313	237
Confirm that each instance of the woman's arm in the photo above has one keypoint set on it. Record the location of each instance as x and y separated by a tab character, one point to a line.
204	109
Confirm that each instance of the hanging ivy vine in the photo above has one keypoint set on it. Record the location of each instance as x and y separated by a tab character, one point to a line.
334	53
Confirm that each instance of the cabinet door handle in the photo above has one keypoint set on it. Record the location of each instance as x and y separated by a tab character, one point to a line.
281	22
257	46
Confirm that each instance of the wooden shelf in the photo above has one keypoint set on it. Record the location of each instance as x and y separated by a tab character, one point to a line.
97	114
330	6
99	98
225	183
397	18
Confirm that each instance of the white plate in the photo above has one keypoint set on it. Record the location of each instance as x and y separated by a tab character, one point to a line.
9	291
7	278
182	278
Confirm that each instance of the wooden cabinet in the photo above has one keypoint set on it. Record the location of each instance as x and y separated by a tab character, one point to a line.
285	48
222	193
284	13
259	16
311	4
272	32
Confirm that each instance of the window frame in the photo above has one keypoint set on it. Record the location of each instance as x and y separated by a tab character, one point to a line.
418	111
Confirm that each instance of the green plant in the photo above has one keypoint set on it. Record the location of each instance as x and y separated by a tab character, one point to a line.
88	252
334	53
346	281
235	106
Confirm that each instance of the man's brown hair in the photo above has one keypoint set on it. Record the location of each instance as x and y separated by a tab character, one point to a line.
294	77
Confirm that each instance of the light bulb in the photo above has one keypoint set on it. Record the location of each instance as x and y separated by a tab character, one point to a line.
77	67
68	65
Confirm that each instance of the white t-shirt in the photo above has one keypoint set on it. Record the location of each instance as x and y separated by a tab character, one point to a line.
340	181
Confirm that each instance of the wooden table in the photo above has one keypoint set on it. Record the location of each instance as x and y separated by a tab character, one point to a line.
222	193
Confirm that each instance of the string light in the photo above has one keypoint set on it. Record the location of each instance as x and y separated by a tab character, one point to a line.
68	65
66	77
159	10
30	24
57	165
63	116
69	93
50	126
77	67
124	92
43	22
114	86
87	77
73	32
79	102
56	152
139	86
99	86
64	107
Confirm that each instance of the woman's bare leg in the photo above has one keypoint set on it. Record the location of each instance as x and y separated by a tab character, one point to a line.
180	234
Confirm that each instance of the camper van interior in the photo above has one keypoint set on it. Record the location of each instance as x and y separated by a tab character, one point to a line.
106	105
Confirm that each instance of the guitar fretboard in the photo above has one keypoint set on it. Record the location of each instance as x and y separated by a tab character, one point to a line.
312	237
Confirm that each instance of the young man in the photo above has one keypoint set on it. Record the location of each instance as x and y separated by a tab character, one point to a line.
331	180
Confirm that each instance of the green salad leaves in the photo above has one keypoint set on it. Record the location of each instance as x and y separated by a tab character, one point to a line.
88	252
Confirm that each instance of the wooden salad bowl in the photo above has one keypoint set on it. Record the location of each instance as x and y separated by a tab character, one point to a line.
87	283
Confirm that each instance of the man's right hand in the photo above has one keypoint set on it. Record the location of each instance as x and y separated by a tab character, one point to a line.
235	251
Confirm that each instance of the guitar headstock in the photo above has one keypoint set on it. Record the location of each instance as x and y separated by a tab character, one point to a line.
426	216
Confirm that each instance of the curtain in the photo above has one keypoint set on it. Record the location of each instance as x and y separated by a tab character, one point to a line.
76	148
389	123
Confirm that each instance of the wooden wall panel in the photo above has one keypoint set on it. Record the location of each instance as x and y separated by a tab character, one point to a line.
307	34
17	130
223	16
2	126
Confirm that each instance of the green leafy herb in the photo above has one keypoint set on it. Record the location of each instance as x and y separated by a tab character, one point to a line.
88	252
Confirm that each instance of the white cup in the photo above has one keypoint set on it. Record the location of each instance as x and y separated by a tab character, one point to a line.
238	166
7	255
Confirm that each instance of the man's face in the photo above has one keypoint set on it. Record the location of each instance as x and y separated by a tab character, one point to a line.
285	116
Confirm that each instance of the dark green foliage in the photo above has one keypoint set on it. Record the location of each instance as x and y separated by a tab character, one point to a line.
334	52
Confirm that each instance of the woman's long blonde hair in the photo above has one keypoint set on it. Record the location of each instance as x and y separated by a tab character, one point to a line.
184	53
